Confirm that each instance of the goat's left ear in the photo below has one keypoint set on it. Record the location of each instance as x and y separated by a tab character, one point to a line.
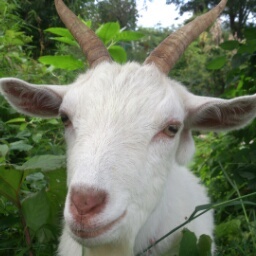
215	114
42	101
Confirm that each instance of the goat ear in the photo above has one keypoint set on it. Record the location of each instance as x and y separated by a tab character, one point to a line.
220	115
41	101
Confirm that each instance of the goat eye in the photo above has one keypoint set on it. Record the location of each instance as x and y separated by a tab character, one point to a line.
64	119
171	130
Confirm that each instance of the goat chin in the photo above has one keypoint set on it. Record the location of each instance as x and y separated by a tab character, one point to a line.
69	247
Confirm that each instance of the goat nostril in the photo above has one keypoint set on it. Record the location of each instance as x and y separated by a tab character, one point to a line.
87	201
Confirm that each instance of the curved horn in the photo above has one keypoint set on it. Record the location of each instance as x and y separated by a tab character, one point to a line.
91	45
167	53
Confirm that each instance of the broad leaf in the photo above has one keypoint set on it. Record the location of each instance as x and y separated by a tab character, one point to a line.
66	40
16	120
44	163
117	53
10	182
3	150
20	146
230	45
63	32
128	36
249	47
36	210
107	32
204	245
66	62
217	63
188	246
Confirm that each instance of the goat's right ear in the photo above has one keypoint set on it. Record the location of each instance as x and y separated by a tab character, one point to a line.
41	101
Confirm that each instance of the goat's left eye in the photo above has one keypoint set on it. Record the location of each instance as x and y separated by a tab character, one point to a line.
171	130
65	119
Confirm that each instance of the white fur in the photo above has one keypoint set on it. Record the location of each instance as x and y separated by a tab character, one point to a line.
116	143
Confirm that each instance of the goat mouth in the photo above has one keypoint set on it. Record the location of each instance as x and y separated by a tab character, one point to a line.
86	233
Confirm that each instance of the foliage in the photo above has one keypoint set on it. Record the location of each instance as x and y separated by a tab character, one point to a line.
30	200
229	166
37	18
110	33
239	12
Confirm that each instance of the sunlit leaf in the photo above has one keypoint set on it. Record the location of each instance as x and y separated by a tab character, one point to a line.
118	53
106	32
64	32
128	36
66	62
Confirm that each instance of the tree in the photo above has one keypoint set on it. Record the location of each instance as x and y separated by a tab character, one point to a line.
123	11
239	12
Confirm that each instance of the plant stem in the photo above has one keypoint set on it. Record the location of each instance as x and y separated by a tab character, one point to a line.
26	231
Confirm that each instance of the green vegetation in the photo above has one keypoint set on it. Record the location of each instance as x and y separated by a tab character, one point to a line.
32	151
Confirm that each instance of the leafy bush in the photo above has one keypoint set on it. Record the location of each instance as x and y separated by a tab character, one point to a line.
229	165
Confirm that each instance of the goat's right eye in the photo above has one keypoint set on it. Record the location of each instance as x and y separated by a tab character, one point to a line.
65	120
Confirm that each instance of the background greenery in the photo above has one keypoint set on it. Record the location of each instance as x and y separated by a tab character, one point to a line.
32	151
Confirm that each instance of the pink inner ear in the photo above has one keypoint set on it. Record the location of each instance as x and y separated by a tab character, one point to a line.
38	101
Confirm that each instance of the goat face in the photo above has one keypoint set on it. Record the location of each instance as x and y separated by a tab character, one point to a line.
123	125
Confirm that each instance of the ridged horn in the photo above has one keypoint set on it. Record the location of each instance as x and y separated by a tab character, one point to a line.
167	53
91	45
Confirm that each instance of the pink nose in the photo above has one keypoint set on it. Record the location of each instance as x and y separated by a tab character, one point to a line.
87	201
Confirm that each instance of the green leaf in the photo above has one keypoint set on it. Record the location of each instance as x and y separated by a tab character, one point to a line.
229	229
118	53
238	60
66	62
230	45
20	146
44	162
204	245
44	235
88	23
249	47
36	210
66	40
10	181
188	246
60	32
106	32
16	120
217	63
128	36
249	33
3	150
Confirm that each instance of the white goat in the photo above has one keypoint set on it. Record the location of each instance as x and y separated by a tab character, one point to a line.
128	133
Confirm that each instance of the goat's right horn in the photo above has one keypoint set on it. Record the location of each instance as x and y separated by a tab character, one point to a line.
90	44
169	51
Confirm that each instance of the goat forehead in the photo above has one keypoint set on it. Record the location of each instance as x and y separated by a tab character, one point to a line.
128	91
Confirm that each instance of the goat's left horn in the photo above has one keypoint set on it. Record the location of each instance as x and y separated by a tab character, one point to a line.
167	53
90	44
